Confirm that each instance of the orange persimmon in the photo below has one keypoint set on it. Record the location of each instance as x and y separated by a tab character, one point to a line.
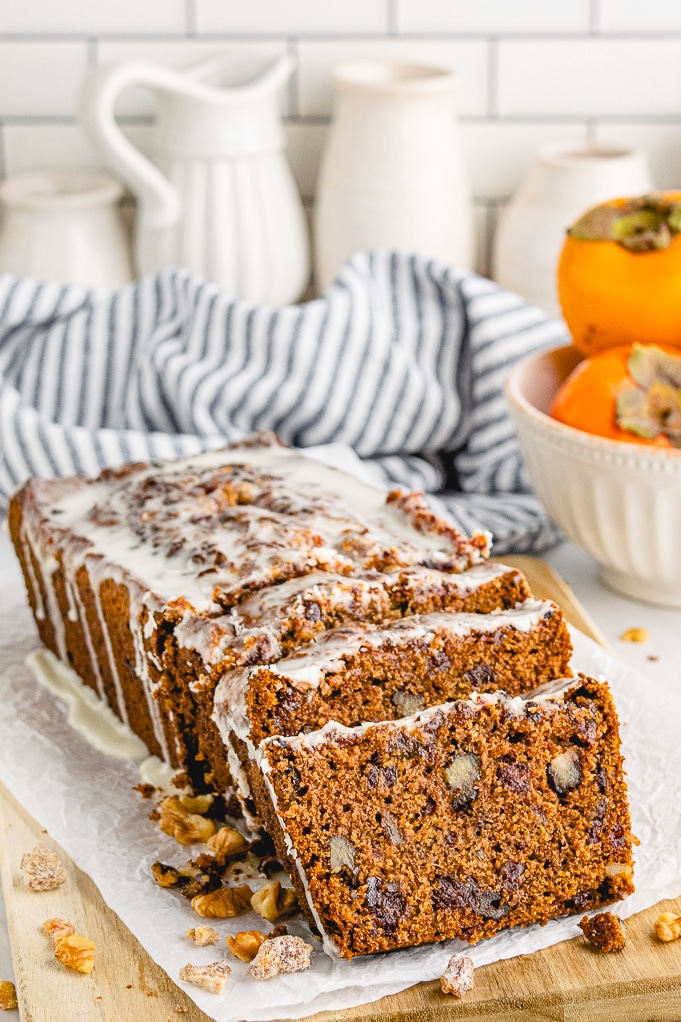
619	274
597	395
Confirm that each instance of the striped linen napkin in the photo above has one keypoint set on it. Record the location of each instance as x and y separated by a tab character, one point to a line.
403	359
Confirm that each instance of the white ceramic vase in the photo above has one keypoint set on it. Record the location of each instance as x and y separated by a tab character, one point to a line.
564	180
220	198
64	226
392	173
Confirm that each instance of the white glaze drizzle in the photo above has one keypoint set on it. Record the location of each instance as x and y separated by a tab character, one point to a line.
160	775
327	655
82	616
87	714
330	519
340	519
120	698
35	587
327	941
72	612
142	671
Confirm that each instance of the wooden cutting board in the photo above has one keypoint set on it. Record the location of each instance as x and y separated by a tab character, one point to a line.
565	983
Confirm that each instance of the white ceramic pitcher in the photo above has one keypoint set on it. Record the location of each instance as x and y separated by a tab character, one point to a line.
563	181
393	173
220	199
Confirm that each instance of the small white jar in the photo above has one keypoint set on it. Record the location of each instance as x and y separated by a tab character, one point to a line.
64	226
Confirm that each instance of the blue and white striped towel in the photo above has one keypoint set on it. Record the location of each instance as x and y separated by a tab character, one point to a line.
403	359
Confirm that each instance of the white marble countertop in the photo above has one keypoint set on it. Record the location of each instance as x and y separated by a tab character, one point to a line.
659	657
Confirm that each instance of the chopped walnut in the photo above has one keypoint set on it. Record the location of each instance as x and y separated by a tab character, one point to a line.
70	948
461	774
209	977
227	843
274	901
342	853
223	904
56	929
565	771
188	881
605	931
77	952
196	803
668	927
8	995
42	869
457	979
187	828
166	876
634	635
245	945
203	935
282	954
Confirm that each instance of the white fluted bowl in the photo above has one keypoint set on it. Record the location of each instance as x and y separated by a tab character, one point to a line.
620	502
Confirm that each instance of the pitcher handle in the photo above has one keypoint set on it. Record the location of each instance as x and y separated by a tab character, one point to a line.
159	203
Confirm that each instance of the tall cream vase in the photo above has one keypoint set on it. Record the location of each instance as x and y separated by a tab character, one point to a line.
392	173
563	181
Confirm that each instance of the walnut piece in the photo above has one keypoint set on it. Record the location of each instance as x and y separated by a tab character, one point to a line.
668	927
245	945
70	948
461	775
56	929
605	931
8	995
274	901
187	828
42	869
227	843
203	935
223	904
281	954
457	979
342	853
209	977
565	771
407	703
196	803
166	876
77	952
634	635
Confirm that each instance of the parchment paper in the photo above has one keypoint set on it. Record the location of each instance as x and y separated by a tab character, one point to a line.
86	801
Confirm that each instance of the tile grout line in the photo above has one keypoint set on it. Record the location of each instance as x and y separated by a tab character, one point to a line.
92	52
492	79
293	86
392	18
191	27
595	17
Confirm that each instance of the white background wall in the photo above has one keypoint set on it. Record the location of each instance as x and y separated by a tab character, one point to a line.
530	71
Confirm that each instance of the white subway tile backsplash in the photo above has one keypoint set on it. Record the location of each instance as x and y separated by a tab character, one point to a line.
589	77
138	101
304	151
662	143
57	146
89	17
498	154
639	16
40	78
493	16
47	147
468	58
292	16
530	72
